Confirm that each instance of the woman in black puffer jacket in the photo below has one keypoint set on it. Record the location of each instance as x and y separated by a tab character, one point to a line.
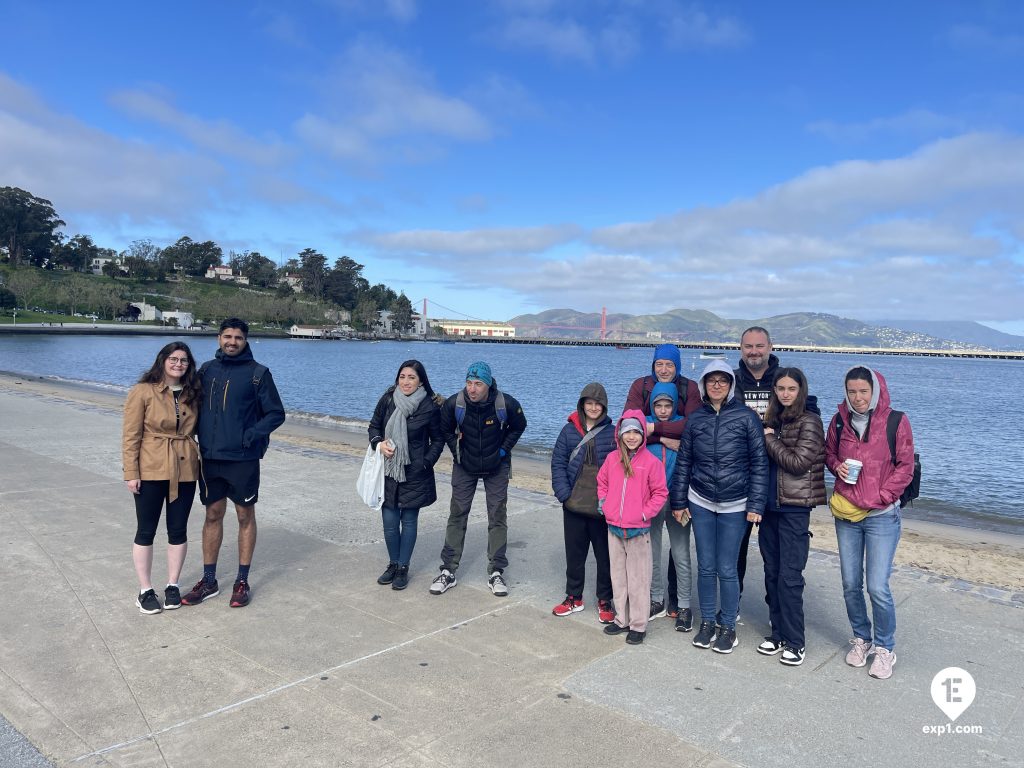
720	482
407	425
795	442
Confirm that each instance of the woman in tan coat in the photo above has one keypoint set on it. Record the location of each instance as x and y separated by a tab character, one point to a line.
795	442
161	464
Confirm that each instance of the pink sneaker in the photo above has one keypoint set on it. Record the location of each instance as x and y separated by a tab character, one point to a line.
858	655
569	605
882	666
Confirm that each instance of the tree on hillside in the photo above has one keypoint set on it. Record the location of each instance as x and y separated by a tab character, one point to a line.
28	226
345	283
401	313
73	292
7	298
365	316
258	268
142	261
313	269
77	253
381	295
192	257
27	285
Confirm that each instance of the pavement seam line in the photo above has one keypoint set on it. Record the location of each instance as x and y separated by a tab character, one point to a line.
259	696
99	634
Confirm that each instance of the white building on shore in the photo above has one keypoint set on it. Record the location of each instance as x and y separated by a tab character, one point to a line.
493	328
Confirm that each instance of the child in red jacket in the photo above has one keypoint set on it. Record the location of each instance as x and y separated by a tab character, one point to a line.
631	490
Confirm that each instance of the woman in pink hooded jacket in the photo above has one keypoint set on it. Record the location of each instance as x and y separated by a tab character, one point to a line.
631	491
865	504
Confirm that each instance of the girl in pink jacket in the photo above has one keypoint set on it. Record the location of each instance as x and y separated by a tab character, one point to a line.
631	491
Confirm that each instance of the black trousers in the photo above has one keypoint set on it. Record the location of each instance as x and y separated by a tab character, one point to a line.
785	540
741	564
149	503
581	533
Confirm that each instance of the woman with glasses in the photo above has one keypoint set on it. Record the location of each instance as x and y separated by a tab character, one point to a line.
720	482
161	465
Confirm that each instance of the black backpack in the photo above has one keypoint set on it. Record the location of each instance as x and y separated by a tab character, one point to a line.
892	424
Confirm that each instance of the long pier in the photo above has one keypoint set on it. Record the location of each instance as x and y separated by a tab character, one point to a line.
716	346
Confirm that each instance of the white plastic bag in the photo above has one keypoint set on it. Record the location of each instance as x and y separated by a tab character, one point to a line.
370	483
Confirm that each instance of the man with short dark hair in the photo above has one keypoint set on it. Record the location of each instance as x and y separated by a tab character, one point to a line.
241	407
481	426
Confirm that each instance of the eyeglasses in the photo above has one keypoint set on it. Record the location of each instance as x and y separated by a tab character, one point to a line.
177	360
717	382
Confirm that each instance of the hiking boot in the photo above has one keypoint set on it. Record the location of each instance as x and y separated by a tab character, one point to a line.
605	612
858	655
657	609
202	591
498	585
684	622
769	646
705	635
147	602
444	581
401	580
569	605
389	574
635	638
725	641
172	598
240	594
615	629
882	666
793	657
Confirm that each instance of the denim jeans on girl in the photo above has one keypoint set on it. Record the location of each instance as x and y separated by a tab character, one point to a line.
870	546
717	537
400	533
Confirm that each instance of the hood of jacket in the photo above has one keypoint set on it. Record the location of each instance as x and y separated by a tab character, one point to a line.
632	414
747	380
245	356
719	366
593	391
665	388
879	394
667	352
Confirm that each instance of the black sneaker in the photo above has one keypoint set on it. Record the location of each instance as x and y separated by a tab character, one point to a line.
147	602
172	598
401	580
615	629
705	635
635	638
792	657
684	622
769	646
725	641
657	610
389	574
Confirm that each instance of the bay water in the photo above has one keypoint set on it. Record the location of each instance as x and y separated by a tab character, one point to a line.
971	444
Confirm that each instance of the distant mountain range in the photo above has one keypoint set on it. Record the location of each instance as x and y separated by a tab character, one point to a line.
796	328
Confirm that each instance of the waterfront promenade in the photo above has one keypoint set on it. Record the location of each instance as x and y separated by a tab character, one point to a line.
327	668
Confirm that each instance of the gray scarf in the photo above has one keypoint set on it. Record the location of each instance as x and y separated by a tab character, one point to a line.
396	430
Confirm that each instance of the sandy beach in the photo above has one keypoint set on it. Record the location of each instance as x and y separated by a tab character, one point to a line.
983	557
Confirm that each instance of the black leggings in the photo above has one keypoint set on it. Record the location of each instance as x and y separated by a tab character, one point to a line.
149	502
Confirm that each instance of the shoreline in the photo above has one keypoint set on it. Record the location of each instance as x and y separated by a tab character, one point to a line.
970	554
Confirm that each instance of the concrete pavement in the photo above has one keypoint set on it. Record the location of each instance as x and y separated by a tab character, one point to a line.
325	667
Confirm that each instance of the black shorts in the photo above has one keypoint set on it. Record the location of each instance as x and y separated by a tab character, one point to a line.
235	480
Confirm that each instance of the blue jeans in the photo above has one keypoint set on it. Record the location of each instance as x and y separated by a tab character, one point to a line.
400	533
870	546
717	537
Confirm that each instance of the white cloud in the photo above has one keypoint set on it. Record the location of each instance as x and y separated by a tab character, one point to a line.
917	124
971	37
563	39
473	243
219	136
689	26
379	105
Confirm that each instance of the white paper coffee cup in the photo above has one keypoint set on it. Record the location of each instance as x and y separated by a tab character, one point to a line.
854	468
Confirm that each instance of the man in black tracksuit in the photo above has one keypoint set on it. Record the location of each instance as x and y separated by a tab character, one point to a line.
481	425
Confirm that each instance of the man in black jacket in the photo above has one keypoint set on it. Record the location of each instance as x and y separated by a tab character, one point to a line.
481	425
241	407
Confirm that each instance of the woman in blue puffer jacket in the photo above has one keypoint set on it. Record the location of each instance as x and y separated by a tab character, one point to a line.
720	482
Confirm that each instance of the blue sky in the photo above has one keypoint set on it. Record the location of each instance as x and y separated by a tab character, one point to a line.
505	157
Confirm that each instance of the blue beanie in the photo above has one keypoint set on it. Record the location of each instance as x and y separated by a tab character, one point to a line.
480	371
667	352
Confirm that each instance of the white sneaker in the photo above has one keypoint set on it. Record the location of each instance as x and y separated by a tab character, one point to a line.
497	584
858	655
444	581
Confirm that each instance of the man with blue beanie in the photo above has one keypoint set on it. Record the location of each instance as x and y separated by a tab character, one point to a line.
481	426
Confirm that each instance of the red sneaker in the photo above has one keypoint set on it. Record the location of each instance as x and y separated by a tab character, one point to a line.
569	605
240	594
203	590
605	614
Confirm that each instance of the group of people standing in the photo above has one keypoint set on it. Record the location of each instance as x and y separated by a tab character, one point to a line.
231	405
719	455
715	456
